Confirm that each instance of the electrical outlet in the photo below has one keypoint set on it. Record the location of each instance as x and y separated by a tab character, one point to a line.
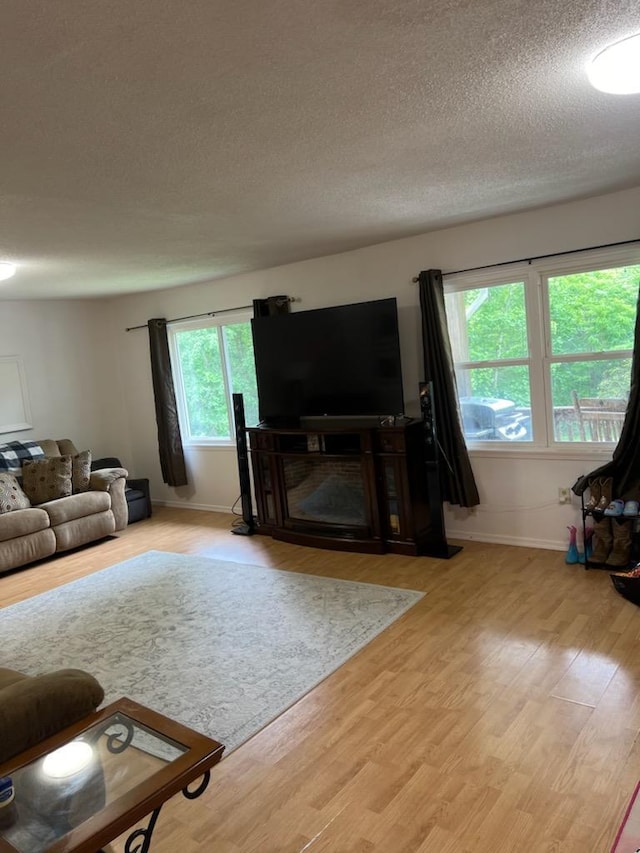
564	495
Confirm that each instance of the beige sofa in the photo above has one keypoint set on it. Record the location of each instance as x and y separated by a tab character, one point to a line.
58	525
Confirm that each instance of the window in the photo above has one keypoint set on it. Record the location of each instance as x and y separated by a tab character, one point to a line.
212	360
488	329
543	354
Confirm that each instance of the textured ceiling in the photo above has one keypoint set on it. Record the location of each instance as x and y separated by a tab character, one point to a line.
156	143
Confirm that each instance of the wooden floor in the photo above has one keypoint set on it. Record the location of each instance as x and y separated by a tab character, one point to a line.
501	713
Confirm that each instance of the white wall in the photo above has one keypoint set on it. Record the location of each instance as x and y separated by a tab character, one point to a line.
73	387
519	494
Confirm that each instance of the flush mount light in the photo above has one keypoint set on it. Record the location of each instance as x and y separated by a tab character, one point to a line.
616	69
6	270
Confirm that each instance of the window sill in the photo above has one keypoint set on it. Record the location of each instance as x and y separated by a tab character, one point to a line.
578	454
209	445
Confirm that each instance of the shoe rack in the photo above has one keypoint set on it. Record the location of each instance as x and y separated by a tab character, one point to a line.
618	535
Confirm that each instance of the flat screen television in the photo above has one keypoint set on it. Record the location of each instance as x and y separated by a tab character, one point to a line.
340	361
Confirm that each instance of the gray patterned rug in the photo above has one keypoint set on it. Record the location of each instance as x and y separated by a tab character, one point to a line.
222	647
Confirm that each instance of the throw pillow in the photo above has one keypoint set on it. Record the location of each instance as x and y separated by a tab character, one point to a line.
11	495
81	471
14	453
47	479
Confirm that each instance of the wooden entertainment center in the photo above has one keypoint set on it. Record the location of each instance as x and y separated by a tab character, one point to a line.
350	486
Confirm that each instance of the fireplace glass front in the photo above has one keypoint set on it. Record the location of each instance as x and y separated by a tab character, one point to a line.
325	491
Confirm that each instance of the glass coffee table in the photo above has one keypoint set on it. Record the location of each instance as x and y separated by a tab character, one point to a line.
80	789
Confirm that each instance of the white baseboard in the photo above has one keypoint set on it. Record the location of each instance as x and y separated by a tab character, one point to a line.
499	539
489	538
191	505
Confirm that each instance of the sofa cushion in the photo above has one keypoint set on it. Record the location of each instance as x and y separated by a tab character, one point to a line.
22	523
14	453
47	479
49	447
76	506
26	549
89	528
59	447
81	471
66	447
11	495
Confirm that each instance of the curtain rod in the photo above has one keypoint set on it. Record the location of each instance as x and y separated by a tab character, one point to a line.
207	314
537	258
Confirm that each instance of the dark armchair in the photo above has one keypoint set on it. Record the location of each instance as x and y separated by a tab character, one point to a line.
136	491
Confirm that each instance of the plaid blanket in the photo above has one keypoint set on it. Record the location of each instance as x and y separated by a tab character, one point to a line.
14	453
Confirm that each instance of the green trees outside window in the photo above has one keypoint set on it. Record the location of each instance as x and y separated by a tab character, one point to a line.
569	334
592	313
211	363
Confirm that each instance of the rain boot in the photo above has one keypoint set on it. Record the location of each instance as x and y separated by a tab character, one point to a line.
588	543
587	546
621	551
572	552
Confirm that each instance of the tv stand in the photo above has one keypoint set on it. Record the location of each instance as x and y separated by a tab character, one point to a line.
313	423
351	487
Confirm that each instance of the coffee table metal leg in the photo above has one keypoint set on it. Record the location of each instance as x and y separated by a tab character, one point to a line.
200	789
140	840
142	835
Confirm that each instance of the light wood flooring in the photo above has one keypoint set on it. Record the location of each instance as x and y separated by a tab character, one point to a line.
500	714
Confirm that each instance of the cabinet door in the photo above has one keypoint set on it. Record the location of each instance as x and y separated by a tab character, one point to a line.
265	488
395	504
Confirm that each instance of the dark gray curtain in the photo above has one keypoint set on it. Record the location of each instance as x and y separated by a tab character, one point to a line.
456	476
174	471
271	305
625	464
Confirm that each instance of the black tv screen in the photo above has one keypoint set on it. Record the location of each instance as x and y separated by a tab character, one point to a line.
342	361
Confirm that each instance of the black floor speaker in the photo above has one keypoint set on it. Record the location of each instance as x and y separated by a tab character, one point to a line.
247	526
428	421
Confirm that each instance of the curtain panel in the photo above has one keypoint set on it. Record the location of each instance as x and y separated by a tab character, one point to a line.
456	475
624	466
271	306
174	472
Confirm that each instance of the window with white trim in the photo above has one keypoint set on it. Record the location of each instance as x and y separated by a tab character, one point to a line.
211	360
543	352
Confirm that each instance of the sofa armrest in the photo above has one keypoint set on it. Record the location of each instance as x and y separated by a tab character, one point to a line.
112	480
103	478
32	709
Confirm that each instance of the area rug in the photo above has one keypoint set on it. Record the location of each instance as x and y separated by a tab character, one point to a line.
628	837
222	647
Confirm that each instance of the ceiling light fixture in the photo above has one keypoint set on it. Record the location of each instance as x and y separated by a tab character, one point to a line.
6	270
616	69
